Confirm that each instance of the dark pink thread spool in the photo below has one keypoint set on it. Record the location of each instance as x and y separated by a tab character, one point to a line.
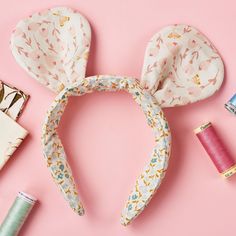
216	150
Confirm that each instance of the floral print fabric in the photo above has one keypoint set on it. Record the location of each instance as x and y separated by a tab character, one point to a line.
11	136
12	100
53	46
181	66
153	173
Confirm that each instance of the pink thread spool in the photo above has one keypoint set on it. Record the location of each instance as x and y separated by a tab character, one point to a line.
216	150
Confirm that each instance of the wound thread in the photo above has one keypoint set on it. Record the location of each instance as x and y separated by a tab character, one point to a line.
231	105
213	145
17	214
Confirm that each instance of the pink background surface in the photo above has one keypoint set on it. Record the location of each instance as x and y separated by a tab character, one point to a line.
106	135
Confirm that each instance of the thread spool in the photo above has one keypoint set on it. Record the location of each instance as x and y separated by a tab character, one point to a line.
17	214
231	105
216	150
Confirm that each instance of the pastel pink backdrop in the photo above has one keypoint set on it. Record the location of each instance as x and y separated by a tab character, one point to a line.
106	135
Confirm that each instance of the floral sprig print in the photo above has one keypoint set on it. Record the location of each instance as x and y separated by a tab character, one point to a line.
193	71
149	180
53	46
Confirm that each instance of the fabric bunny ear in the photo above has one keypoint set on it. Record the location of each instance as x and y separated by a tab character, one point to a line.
53	46
181	66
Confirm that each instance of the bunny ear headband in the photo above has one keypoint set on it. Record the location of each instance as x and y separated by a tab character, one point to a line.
181	66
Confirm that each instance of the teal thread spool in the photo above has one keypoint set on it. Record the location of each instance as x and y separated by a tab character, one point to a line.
17	214
231	105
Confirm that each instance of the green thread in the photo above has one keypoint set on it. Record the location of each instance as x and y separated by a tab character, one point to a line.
17	215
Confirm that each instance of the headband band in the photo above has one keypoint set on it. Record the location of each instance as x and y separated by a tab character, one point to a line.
181	66
150	178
